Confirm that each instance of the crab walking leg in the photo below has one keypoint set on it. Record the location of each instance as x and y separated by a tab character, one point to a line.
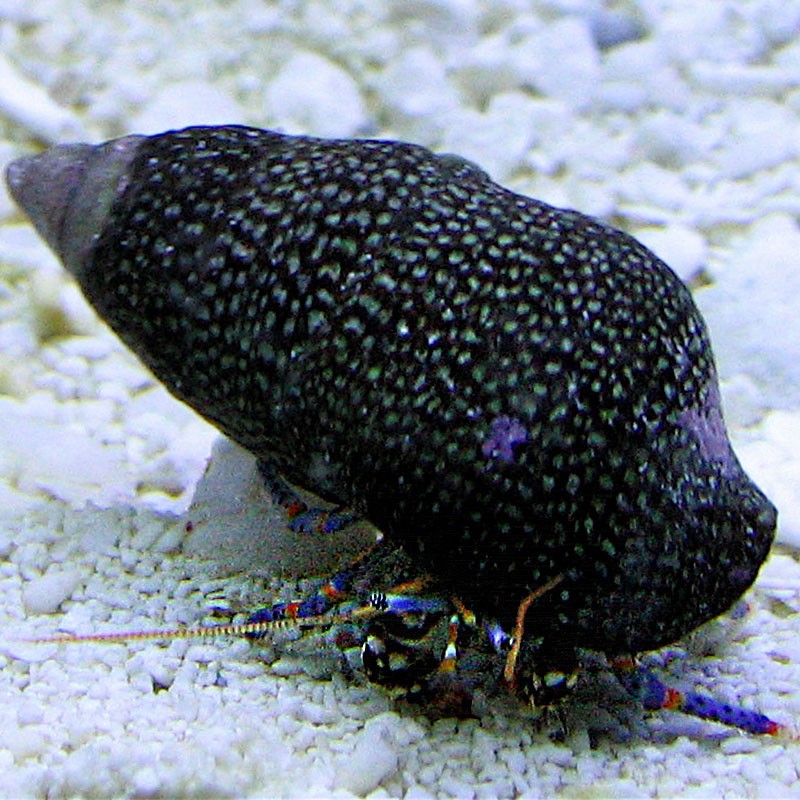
302	517
654	695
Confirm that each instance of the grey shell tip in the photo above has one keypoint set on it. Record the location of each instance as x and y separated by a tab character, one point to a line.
43	185
65	191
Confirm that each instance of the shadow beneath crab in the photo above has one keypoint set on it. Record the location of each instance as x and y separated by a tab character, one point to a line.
234	522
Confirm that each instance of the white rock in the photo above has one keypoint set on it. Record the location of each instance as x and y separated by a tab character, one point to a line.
123	370
782	483
92	348
312	95
25	743
146	782
7	206
45	456
30	713
44	595
742	401
372	761
153	432
177	105
775	465
780	573
762	134
611	28
752	310
779	21
261	20
416	85
561	61
21	12
625	96
29	105
646	65
788	57
497	140
742	79
672	140
592	198
707	33
453	19
484	70
650	185
22	246
633	61
683	249
98	530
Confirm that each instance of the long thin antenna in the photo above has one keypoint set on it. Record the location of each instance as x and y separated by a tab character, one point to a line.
260	628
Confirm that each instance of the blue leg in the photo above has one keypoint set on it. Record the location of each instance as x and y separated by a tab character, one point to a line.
302	517
643	685
329	597
342	597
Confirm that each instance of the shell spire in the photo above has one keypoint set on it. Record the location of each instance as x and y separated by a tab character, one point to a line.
67	193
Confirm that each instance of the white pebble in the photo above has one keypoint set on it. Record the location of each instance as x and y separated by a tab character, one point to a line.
152	431
683	249
672	140
22	246
752	309
47	457
122	370
29	105
457	788
561	60
611	28
776	465
177	105
312	95
632	62
7	206
24	743
742	401
736	745
780	573
484	70
475	136
648	185
45	595
371	762
417	86
780	23
30	713
285	667
627	96
742	79
92	348
762	135
645	65
145	782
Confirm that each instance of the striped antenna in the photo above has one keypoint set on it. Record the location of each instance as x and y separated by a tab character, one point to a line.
261	628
